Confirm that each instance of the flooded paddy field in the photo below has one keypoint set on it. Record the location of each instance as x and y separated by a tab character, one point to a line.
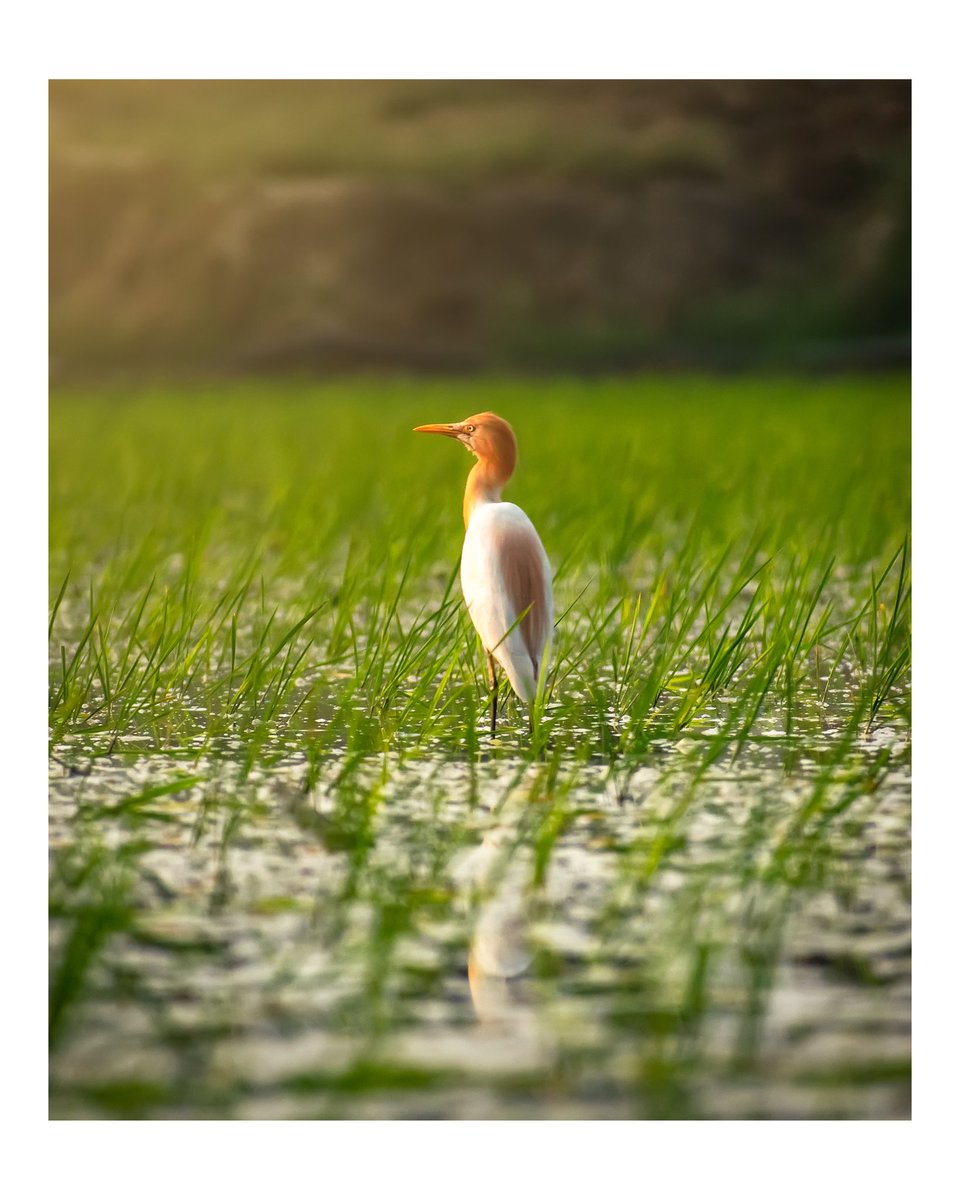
292	876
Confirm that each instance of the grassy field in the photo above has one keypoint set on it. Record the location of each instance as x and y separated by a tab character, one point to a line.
280	829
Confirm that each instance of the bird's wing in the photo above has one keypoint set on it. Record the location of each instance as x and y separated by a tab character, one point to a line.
504	572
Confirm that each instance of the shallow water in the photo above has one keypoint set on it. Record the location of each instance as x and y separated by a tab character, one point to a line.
488	938
695	904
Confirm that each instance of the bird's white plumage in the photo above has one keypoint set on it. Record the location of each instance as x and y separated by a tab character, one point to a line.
496	530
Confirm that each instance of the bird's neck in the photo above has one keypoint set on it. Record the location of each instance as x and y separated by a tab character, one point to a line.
484	485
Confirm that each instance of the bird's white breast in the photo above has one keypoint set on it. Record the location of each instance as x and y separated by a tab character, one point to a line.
497	535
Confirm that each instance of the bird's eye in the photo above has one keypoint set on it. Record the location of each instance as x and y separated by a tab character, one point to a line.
469	429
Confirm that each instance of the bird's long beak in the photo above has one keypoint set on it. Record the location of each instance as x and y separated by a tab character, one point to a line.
451	431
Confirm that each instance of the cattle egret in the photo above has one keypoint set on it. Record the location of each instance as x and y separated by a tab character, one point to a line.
504	570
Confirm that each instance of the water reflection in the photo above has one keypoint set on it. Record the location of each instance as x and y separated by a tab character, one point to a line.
500	954
603	929
494	880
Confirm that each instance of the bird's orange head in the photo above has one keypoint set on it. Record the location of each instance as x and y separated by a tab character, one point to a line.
487	436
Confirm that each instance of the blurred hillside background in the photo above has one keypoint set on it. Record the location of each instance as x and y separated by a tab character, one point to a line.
232	226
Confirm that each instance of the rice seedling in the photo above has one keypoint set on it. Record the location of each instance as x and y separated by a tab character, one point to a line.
269	740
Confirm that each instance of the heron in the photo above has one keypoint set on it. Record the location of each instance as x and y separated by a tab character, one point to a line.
504	570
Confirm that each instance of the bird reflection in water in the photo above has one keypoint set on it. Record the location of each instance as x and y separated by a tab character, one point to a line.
500	950
499	956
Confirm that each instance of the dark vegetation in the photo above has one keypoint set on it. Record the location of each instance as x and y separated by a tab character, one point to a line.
461	225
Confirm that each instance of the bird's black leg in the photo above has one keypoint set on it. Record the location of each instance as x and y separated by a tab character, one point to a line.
492	679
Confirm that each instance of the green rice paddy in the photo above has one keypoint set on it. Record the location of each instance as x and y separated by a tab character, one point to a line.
293	876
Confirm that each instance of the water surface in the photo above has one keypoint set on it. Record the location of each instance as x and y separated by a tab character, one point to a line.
485	937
